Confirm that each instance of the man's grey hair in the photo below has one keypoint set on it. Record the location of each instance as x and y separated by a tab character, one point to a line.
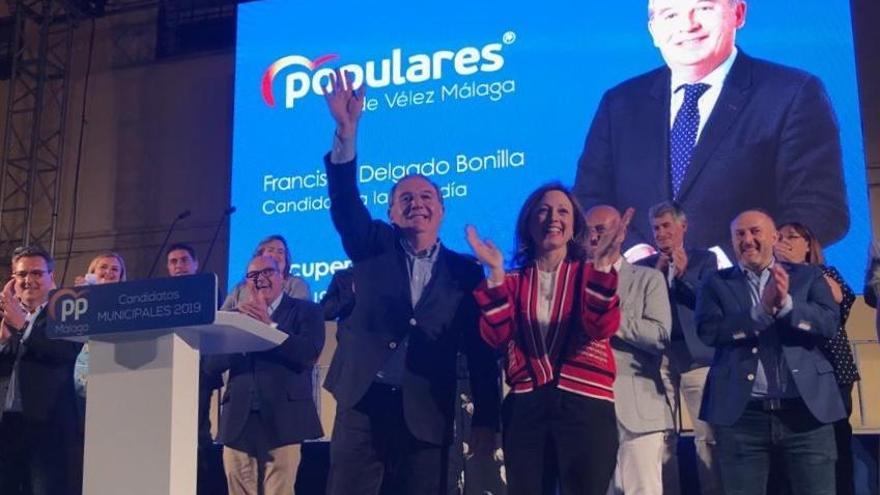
670	207
651	6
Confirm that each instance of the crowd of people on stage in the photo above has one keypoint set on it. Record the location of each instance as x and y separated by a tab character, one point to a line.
600	351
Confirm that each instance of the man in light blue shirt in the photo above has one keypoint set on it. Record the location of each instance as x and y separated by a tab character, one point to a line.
770	389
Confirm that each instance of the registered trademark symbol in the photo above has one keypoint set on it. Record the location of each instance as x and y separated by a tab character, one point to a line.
509	37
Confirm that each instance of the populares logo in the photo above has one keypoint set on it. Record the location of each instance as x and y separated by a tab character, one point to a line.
398	69
68	303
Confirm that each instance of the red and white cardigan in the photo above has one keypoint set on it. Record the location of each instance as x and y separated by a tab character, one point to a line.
584	314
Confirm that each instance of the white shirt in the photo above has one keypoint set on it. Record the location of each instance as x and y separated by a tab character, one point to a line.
12	401
546	294
272	307
706	103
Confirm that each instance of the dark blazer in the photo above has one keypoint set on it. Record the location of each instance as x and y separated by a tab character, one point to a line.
443	323
724	322
338	301
683	300
45	374
771	142
281	377
48	403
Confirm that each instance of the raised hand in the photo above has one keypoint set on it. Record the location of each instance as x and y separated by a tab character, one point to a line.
253	305
783	252
769	297
836	291
780	279
14	314
680	261
346	103
610	242
488	254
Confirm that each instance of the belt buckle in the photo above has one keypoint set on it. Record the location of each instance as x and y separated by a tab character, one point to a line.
773	405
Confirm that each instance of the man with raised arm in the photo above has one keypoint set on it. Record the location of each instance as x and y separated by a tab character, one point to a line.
394	372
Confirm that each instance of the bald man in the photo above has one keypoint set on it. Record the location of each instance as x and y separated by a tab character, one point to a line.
770	389
644	415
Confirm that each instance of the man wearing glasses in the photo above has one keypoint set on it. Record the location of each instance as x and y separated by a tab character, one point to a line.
268	408
39	436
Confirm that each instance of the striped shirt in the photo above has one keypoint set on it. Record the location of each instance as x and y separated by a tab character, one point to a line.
572	350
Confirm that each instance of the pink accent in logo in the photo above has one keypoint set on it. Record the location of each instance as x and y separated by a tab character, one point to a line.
284	62
61	294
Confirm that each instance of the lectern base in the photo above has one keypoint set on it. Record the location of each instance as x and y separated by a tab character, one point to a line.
141	424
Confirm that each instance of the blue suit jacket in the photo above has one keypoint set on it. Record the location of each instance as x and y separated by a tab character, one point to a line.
281	377
442	324
771	142
683	299
724	322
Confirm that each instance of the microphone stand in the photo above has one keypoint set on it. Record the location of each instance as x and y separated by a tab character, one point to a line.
179	217
229	211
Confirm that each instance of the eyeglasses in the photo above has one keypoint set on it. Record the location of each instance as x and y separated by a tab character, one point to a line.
33	273
265	272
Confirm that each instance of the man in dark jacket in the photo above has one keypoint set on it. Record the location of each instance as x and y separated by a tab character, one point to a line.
40	441
394	372
268	408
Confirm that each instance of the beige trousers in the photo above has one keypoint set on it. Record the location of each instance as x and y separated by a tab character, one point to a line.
277	476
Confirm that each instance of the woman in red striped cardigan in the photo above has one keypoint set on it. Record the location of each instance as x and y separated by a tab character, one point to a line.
551	318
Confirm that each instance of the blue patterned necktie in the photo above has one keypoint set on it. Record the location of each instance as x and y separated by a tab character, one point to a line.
683	137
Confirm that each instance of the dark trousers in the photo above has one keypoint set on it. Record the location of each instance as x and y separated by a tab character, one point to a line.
843	436
38	458
210	476
211	479
804	446
373	452
553	437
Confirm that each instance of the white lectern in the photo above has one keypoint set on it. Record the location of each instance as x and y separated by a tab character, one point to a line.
141	416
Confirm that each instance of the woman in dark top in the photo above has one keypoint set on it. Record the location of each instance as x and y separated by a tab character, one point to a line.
798	245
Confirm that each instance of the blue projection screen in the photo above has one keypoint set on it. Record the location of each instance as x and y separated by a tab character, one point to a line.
489	99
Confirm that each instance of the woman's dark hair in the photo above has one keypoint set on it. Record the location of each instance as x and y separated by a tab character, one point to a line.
525	250
814	255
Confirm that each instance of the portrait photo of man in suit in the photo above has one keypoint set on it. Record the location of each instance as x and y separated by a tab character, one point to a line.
716	130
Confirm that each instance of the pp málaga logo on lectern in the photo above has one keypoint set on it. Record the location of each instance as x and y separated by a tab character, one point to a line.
68	305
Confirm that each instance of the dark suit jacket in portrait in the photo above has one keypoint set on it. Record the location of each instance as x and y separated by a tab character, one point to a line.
771	142
682	300
724	322
443	322
281	377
